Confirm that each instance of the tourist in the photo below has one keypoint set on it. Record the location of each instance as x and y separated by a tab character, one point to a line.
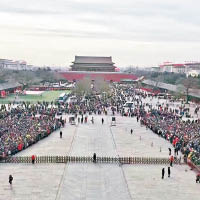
94	157
33	159
163	173
85	119
198	178
169	171
171	160
92	120
10	179
170	151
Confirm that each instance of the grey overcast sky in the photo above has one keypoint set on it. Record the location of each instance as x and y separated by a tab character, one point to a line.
133	32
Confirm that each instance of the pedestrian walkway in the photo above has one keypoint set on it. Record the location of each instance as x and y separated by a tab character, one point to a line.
93	180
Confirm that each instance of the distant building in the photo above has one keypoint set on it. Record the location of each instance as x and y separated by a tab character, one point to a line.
171	67
180	68
192	66
14	65
95	68
5	63
166	67
22	65
93	63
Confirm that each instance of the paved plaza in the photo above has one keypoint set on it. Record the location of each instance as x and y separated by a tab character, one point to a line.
93	181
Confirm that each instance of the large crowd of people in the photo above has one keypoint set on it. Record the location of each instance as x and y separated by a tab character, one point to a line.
165	121
184	135
162	119
26	124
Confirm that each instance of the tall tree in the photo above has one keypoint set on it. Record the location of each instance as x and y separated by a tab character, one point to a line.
100	85
83	87
189	83
158	80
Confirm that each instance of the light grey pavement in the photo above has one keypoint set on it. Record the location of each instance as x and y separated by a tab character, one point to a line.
87	181
145	183
142	143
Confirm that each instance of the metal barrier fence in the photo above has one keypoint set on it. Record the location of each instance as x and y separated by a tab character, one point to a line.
84	159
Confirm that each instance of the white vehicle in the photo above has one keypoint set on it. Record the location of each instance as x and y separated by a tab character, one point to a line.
63	84
56	85
128	105
72	120
62	98
72	99
161	95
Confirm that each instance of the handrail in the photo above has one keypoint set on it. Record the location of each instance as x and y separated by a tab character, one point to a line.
89	159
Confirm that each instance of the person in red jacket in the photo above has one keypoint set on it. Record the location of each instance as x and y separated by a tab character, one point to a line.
33	159
171	160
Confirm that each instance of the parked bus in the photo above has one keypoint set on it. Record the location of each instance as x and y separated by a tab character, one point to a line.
62	98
